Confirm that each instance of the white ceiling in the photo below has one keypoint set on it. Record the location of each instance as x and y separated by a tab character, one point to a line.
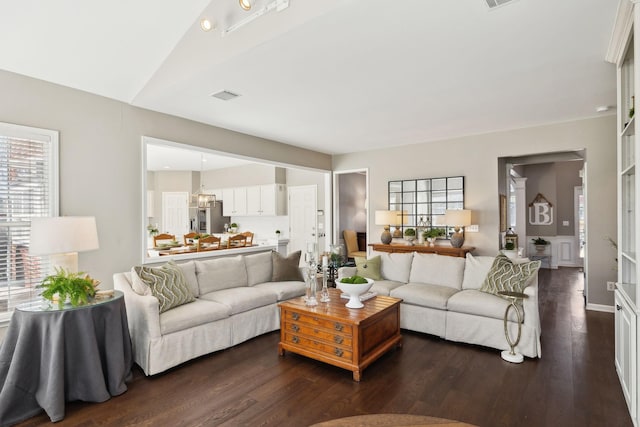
331	75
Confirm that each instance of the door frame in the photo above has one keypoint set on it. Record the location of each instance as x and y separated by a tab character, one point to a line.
336	203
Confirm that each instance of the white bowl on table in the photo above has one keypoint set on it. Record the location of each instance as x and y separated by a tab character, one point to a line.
354	290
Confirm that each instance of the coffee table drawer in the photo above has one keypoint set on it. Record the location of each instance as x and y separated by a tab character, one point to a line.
342	328
337	338
328	350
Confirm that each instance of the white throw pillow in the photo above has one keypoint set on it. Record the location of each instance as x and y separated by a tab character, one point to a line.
439	270
221	273
475	271
189	270
259	268
395	266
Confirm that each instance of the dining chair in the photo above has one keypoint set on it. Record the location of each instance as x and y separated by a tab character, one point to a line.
188	238
237	241
351	241
249	236
210	243
162	237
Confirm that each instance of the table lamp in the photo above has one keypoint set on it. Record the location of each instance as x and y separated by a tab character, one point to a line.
63	237
402	217
458	218
386	218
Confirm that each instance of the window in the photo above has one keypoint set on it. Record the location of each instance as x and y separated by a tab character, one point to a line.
426	199
28	189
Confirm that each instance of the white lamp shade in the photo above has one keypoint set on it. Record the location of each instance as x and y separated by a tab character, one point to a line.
458	217
402	217
385	217
63	234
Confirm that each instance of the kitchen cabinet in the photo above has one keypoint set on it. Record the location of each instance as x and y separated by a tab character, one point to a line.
234	201
263	200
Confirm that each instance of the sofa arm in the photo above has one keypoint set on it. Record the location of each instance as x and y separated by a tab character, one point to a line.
346	272
530	305
143	311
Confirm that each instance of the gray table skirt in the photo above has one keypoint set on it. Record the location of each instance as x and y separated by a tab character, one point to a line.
49	358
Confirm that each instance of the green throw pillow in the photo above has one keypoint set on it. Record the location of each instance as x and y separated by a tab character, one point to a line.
505	275
369	268
167	284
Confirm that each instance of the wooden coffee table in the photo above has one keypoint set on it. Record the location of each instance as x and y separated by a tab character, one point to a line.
345	337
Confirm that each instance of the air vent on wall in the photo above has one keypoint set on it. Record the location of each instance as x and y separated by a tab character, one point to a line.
225	95
497	3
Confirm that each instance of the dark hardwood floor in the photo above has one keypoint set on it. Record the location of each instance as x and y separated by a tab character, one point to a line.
573	384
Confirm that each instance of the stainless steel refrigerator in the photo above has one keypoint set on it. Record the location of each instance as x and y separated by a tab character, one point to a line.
210	219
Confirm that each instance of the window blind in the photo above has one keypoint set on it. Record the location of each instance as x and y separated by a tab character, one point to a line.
28	189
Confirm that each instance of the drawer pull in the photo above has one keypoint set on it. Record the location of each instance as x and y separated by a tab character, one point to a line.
295	328
338	352
295	316
338	339
338	326
295	340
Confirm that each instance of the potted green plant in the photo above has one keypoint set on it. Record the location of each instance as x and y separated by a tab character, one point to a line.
541	244
233	227
152	229
432	234
65	285
410	234
277	234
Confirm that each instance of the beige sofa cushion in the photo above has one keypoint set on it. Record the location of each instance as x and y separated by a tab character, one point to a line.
221	273
472	301
242	299
284	290
259	268
193	314
384	287
438	270
395	266
189	270
475	271
424	295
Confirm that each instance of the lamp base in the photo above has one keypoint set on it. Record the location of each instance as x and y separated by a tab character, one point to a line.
385	238
68	261
457	239
397	232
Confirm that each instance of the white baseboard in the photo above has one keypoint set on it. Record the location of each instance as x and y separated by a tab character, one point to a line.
600	307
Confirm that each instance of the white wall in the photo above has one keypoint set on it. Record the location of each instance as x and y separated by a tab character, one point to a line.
100	158
476	157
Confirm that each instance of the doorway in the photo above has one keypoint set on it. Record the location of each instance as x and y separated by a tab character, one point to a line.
302	217
351	205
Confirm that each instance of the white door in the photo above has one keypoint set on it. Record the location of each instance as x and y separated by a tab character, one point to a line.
302	217
175	213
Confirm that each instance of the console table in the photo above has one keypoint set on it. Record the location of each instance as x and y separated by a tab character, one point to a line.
50	356
439	250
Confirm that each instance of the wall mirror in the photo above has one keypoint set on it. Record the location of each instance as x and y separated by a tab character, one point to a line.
426	199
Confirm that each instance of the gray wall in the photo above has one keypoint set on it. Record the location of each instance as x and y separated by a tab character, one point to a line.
556	182
476	157
100	158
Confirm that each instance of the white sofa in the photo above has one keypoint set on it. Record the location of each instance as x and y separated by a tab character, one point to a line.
235	300
441	297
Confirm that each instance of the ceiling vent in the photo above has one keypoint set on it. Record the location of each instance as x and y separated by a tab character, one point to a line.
497	3
225	95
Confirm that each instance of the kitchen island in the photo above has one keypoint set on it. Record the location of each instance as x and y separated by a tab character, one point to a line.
184	253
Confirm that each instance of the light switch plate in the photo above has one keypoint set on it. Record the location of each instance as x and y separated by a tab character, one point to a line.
565	223
472	228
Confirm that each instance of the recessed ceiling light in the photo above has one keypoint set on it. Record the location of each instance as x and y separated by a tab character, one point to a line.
603	108
245	4
167	167
225	95
206	24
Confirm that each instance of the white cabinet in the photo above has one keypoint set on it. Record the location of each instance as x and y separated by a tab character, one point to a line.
622	53
626	349
234	201
263	200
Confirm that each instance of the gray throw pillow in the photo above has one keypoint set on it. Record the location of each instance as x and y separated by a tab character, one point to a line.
286	269
167	284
